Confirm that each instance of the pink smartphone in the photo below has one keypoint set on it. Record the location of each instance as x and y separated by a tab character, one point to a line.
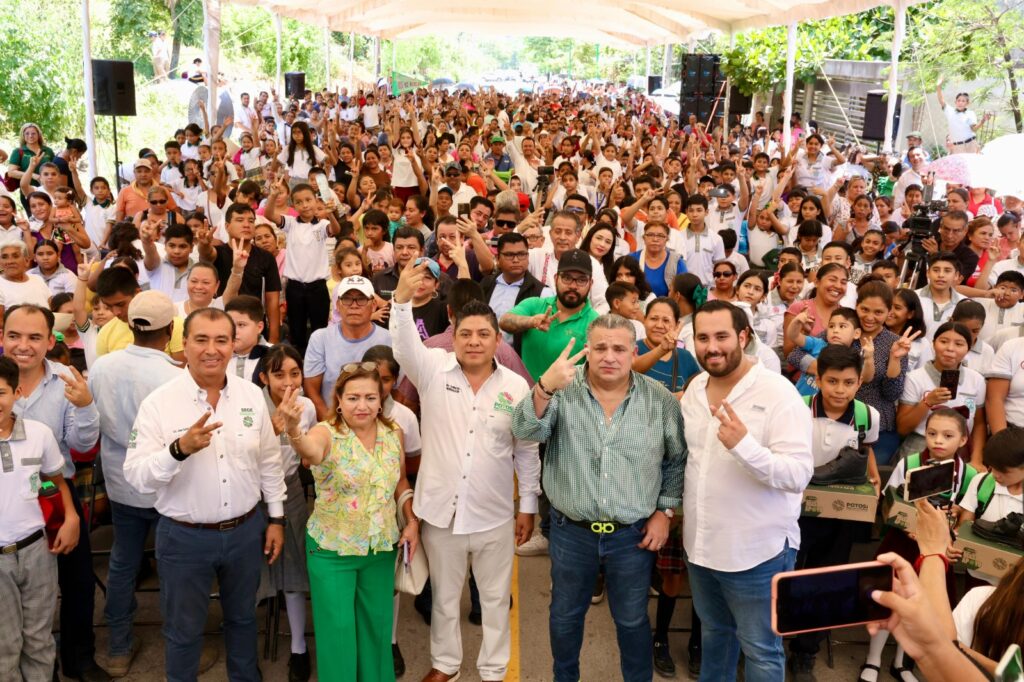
831	597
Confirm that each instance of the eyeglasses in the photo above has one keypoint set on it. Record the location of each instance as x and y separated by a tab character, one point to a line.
568	279
159	202
354	302
354	366
505	223
515	255
724	273
954	230
658	236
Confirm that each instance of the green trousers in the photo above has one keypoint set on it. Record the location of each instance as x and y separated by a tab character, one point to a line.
352	610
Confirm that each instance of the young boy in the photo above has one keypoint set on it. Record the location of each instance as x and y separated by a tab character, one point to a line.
839	422
725	214
843	329
248	314
28	588
940	296
624	299
100	213
889	271
170	274
703	246
1004	310
729	240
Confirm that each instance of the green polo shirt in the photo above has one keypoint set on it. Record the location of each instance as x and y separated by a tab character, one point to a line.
540	349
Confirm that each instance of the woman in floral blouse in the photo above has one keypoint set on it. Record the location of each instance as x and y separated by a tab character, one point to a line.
359	468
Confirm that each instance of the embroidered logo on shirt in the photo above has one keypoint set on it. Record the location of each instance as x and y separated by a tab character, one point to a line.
247	416
452	389
132	437
504	403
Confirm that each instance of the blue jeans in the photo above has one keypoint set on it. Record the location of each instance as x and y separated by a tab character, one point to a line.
131	528
577	554
735	611
188	560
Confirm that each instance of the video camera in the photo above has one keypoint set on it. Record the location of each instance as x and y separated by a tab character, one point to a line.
920	224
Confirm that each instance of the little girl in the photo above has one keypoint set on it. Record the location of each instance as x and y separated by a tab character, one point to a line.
188	189
867	250
281	370
64	212
348	262
88	327
380	253
945	434
859	223
751	290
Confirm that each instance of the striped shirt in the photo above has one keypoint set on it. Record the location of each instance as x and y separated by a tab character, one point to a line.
620	469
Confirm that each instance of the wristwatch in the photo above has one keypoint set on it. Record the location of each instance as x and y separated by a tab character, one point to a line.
670	513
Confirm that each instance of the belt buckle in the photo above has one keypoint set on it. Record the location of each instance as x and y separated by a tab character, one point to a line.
9	549
227	525
602	527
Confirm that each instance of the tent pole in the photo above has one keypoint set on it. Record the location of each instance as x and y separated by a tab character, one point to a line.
90	109
351	56
787	103
647	73
900	9
277	31
666	64
376	59
211	45
327	58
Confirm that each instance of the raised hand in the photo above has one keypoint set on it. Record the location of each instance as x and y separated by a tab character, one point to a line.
289	411
85	267
901	348
731	429
239	256
147	232
562	371
542	321
76	389
198	436
409	281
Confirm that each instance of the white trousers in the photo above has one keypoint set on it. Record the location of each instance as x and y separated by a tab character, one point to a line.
491	553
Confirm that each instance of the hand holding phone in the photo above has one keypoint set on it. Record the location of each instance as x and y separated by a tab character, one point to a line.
932	479
949	379
832	597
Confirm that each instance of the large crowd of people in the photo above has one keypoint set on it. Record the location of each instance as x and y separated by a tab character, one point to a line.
348	331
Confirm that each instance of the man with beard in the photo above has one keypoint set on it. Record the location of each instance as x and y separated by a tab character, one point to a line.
613	482
543	325
749	439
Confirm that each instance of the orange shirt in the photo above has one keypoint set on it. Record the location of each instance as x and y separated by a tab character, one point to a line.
132	200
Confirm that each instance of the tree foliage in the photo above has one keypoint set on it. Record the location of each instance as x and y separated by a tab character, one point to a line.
131	20
41	65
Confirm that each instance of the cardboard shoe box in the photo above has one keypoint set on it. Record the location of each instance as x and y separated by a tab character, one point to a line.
991	558
846	502
898	513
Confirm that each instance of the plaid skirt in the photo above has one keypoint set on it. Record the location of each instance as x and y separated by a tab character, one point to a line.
288	573
672	557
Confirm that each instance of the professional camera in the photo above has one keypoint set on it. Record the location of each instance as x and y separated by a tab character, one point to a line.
545	170
920	227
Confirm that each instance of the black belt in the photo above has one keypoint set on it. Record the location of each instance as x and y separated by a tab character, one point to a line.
230	524
21	544
969	139
599	527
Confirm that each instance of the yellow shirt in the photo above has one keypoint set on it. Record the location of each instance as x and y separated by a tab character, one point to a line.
117	335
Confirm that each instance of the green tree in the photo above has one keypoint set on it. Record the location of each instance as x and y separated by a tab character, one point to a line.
42	67
132	20
248	34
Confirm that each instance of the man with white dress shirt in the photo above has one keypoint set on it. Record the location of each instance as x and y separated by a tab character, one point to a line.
469	464
209	461
565	231
749	438
120	381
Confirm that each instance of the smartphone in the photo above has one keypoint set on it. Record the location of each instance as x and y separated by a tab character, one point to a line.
463	210
926	481
1010	668
832	597
325	189
950	379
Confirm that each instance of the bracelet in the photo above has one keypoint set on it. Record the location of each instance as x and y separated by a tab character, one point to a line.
276	520
920	560
176	451
295	438
540	385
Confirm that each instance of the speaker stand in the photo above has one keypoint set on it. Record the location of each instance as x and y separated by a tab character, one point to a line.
117	161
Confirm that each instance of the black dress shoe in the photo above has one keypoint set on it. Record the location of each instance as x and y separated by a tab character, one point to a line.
475	617
299	668
663	662
1006	530
693	667
396	654
847	468
89	673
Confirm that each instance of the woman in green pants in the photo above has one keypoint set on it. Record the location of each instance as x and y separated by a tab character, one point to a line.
359	468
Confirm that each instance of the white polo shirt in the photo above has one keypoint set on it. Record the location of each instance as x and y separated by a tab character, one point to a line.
829	436
34	290
960	123
970	392
728	219
702	250
1000	504
170	280
1008	365
305	259
30	450
407	421
997	318
1012	263
935	314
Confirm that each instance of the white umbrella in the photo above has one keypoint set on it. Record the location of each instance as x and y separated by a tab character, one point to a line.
1003	163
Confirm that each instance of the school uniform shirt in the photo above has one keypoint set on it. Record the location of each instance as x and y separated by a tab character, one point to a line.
829	436
760	242
742	505
119	382
727	219
407	421
29	452
306	256
1014	262
170	280
967	610
1002	502
1007	365
470	458
62	281
290	459
96	218
960	123
301	163
222	481
970	392
935	314
702	250
247	366
997	318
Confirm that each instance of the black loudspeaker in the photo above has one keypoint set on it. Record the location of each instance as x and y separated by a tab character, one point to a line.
875	106
295	84
691	75
113	87
738	102
653	83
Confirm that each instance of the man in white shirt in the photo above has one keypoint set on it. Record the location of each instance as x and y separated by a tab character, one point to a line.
119	382
749	439
909	176
963	123
470	462
16	285
209	461
565	232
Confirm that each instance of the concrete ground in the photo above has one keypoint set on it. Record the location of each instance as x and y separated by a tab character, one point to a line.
531	654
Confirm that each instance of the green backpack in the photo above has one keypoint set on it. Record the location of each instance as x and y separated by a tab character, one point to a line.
986	489
861	418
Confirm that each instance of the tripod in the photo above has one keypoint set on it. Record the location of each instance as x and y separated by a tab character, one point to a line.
910	273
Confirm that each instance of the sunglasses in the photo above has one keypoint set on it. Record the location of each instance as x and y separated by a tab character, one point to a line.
505	223
724	274
354	366
160	202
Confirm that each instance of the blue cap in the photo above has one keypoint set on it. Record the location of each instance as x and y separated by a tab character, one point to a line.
432	266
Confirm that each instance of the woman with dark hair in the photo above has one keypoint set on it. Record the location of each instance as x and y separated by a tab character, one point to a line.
123	242
627	269
724	273
301	155
418	214
907	314
407	176
689	294
813	166
600	243
831	287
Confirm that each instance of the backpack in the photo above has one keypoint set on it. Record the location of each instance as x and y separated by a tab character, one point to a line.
913	461
986	489
861	418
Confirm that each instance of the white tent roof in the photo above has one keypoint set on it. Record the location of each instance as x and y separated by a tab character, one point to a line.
609	22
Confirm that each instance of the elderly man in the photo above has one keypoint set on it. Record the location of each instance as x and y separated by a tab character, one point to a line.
910	176
502	161
565	230
914	139
613	483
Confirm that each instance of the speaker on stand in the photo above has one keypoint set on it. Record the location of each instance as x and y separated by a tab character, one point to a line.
113	94
876	105
295	84
653	83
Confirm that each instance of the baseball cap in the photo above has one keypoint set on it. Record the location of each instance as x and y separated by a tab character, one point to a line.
722	191
452	165
706	178
575	260
143	163
432	266
150	310
497	138
354	283
915	133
